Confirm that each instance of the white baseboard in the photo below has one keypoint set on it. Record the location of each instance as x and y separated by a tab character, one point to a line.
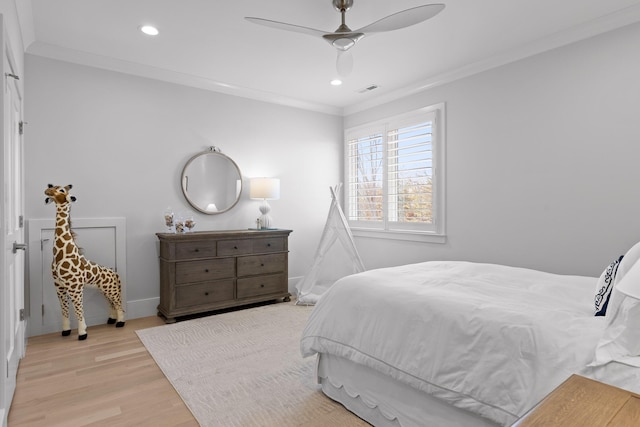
142	308
293	281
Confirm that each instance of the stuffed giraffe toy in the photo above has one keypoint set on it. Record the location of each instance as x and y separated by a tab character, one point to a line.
72	271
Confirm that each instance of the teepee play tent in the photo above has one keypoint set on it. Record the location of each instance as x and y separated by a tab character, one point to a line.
335	257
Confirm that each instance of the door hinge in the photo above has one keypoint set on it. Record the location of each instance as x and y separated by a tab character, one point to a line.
21	221
21	314
13	76
42	310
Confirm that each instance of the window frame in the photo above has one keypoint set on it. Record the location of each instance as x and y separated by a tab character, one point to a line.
434	232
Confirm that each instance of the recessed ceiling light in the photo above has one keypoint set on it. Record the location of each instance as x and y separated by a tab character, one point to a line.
336	82
149	30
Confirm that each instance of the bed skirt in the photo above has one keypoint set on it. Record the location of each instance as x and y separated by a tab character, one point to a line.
385	402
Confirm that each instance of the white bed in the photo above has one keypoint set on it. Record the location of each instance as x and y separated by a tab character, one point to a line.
453	343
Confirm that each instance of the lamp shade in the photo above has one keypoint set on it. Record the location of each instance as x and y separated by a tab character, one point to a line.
264	188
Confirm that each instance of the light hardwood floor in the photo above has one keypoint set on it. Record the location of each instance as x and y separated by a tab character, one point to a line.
109	379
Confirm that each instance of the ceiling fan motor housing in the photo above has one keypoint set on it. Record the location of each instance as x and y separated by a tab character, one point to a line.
342	5
343	38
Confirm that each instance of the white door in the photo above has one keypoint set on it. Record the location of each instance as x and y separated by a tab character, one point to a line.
12	265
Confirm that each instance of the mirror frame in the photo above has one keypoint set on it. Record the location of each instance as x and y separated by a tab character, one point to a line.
212	151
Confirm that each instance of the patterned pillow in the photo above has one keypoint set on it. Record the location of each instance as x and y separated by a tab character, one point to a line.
605	286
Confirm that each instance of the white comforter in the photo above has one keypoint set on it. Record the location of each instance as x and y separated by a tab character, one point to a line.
488	338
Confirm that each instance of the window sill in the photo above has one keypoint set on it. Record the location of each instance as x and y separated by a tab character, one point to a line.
410	236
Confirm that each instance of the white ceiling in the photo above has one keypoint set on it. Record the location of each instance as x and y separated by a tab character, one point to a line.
209	44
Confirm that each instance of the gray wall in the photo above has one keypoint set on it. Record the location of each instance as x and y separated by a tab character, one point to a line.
542	160
122	142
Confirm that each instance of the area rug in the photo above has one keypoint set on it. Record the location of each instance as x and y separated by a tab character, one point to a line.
243	368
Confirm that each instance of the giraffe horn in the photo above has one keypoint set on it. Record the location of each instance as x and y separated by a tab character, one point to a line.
73	198
47	200
51	185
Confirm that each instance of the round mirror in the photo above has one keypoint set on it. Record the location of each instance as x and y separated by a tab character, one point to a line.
211	182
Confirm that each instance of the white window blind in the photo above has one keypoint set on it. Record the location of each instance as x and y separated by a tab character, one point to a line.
392	173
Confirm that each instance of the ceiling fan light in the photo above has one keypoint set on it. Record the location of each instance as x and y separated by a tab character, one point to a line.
343	43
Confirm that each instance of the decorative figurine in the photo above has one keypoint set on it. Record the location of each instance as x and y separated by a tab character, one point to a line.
168	220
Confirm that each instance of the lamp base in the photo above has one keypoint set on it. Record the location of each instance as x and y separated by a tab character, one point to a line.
265	219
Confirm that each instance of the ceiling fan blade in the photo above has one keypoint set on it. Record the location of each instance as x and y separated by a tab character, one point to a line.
344	63
287	27
403	19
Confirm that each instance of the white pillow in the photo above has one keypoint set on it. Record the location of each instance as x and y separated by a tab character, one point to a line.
604	286
620	341
626	262
629	260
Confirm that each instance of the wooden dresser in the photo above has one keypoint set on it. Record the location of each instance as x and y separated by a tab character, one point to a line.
583	402
210	270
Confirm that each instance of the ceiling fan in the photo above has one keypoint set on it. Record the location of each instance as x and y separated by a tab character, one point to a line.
343	38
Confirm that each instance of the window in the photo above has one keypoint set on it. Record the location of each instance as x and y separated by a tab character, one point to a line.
394	175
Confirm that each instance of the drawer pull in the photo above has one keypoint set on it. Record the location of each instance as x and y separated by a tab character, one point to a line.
206	293
196	250
268	245
235	247
262	285
261	265
206	270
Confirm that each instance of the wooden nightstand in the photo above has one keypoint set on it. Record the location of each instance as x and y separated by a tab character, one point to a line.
582	402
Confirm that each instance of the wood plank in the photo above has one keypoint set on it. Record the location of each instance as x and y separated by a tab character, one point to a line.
109	379
582	402
629	415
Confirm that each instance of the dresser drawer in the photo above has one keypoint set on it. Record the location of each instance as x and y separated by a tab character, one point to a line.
263	285
274	244
204	293
201	271
198	249
234	247
261	264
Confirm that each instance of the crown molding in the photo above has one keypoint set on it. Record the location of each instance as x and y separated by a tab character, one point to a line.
127	67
